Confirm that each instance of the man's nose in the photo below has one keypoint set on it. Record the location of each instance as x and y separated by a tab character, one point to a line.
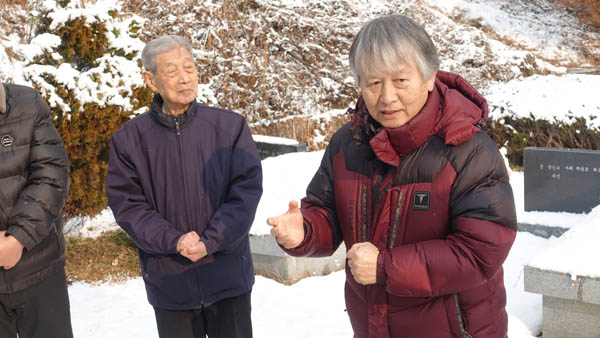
185	77
388	93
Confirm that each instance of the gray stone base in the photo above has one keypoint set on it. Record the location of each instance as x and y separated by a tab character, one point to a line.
271	262
571	308
569	318
541	230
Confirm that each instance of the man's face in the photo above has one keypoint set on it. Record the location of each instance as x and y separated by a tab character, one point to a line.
176	78
394	99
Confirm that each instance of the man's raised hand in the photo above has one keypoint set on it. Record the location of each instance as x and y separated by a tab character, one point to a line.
288	229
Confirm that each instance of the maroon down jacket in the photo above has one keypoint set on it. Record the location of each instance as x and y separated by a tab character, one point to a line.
434	197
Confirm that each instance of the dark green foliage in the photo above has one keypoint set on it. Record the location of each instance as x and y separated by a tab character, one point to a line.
81	43
517	133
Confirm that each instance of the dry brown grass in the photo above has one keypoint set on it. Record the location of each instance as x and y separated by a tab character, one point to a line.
21	3
14	19
303	129
111	256
263	61
588	12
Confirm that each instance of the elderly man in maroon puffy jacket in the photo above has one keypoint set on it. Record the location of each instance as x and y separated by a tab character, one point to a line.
418	193
184	180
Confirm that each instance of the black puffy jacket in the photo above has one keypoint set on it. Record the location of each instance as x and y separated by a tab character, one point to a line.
34	179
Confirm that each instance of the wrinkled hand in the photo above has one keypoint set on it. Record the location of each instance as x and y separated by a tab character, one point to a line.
188	240
196	252
191	247
362	260
288	229
11	251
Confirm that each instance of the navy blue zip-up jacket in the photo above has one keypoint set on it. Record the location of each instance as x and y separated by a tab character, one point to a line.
199	171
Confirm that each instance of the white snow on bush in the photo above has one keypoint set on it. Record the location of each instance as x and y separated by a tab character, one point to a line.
550	97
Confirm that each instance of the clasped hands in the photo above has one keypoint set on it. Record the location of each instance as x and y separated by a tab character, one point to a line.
288	230
191	247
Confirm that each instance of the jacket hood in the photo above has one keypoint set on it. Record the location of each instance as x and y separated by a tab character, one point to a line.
464	110
454	110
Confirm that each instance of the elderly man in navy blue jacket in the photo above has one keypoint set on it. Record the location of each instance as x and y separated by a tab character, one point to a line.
183	181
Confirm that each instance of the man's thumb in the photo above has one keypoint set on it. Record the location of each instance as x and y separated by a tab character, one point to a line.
293	206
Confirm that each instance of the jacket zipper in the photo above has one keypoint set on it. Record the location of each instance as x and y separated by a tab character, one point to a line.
461	323
4	271
2	211
3	214
396	218
185	190
364	211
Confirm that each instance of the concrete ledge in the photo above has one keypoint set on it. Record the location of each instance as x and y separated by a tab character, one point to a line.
571	308
550	283
271	262
542	230
268	146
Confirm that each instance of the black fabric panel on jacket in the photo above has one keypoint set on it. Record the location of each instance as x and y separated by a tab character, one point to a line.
320	190
481	189
424	164
358	156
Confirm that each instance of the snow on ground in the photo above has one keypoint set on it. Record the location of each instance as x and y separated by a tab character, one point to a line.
290	311
313	307
538	26
285	178
275	140
576	252
92	227
524	308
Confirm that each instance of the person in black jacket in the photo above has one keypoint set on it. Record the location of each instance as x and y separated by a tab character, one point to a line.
34	179
184	181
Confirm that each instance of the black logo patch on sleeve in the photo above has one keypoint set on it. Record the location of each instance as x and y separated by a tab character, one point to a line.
7	140
421	200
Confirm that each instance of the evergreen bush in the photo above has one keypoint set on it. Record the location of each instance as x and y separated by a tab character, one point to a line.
516	133
92	87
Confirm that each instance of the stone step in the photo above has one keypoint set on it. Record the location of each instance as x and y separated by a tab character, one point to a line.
571	307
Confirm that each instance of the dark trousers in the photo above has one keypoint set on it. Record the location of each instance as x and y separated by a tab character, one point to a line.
40	311
228	318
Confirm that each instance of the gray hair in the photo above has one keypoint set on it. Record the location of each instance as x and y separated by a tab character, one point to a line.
160	45
383	43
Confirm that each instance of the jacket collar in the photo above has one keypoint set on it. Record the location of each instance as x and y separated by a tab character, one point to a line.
390	144
2	99
169	121
453	111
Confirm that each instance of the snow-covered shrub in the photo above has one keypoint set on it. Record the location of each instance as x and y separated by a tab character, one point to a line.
86	63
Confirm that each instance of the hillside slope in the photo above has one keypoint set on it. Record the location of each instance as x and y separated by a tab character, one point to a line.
283	64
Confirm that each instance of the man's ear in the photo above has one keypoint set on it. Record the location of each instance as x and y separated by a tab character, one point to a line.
431	82
149	80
